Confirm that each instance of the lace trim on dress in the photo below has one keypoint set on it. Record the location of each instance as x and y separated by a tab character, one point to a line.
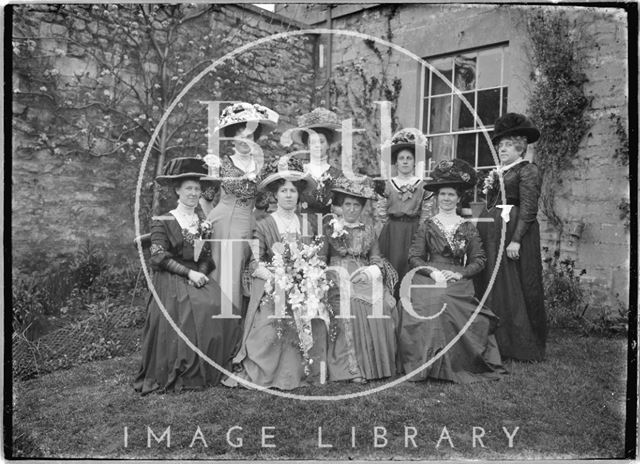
156	249
457	244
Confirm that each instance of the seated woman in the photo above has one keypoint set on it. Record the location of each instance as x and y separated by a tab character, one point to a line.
365	347
447	250
265	358
190	298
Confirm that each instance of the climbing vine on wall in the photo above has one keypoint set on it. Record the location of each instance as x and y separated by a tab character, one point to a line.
558	101
357	84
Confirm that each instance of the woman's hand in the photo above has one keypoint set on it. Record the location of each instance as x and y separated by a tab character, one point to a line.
198	278
451	276
262	273
513	250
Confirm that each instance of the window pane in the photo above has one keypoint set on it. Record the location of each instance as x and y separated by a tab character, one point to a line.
439	86
465	72
462	116
427	77
485	158
506	70
489	68
425	115
440	114
505	94
488	106
442	148
466	149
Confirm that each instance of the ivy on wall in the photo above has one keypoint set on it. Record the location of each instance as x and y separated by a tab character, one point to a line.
558	102
357	84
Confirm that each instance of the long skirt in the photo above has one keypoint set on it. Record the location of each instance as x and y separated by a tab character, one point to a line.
168	363
370	342
231	219
516	295
265	359
444	312
395	240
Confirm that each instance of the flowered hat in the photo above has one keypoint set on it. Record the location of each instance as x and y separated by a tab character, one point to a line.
287	168
319	118
244	112
362	188
183	168
406	138
456	173
515	124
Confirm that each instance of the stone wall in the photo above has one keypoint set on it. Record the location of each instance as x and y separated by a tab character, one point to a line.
63	197
592	190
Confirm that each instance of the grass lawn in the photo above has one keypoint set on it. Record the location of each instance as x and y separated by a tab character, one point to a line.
571	406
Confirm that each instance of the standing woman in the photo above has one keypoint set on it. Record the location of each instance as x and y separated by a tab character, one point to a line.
405	196
447	250
365	348
517	293
264	359
324	125
190	298
233	218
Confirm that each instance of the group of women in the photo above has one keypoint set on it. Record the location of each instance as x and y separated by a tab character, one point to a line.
413	290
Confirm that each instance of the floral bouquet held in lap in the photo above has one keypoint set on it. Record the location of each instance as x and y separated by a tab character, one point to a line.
298	289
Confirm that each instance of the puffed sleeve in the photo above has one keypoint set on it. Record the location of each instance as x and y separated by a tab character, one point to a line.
259	234
476	258
161	257
375	256
529	189
419	252
427	206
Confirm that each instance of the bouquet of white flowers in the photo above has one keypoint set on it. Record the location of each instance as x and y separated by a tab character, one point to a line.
299	289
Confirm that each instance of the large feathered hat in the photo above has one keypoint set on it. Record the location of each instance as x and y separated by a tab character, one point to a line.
242	112
409	137
285	167
362	187
184	168
511	124
319	118
456	173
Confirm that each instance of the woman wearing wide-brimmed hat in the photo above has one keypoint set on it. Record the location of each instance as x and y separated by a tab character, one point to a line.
517	292
447	249
405	197
232	218
365	348
318	130
181	264
265	358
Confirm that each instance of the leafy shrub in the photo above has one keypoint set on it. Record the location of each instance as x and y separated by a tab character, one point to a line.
27	307
564	298
89	262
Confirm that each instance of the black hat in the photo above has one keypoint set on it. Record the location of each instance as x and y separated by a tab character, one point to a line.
514	124
182	168
456	173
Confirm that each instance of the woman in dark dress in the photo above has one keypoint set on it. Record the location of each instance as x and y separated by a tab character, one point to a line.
319	131
447	251
517	293
404	196
181	263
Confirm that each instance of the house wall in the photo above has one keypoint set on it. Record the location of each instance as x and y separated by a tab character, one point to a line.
596	183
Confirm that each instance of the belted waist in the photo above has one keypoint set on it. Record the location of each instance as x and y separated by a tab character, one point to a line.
404	218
